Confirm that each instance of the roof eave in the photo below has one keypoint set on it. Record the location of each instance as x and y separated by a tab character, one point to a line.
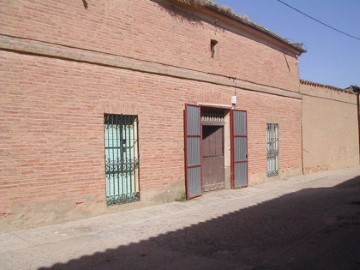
354	88
221	10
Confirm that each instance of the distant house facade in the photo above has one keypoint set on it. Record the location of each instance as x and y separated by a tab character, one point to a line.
110	102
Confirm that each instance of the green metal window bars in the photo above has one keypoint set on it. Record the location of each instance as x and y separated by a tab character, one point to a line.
272	149
121	159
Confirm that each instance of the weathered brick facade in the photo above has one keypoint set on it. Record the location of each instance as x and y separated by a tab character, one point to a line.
63	66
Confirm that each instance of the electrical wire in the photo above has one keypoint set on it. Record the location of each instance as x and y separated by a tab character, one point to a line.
314	19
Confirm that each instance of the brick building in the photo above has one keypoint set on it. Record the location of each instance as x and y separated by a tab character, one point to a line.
109	102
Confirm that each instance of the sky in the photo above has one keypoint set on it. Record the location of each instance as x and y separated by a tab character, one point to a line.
331	58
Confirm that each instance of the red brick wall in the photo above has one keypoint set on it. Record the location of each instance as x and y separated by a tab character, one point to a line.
52	144
51	110
145	30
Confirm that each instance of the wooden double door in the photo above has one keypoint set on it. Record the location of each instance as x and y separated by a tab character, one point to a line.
204	150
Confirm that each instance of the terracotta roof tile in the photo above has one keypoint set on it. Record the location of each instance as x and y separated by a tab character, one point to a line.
228	12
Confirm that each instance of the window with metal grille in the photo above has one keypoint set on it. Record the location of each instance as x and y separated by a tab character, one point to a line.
272	135
121	158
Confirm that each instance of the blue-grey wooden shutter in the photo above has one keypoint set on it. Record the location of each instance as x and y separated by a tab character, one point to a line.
239	149
193	151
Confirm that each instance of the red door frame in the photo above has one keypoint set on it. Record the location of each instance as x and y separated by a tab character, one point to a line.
187	167
233	161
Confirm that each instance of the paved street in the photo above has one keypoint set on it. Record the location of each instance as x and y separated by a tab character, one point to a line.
307	222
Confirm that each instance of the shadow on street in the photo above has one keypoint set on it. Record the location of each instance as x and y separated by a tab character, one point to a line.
309	229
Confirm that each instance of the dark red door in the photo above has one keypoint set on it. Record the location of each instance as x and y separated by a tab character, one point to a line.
213	157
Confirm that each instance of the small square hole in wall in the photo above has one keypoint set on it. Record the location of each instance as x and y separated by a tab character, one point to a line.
213	47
